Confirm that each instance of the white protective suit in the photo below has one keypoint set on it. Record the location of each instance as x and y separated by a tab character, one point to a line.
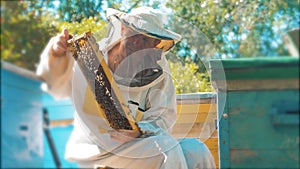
90	145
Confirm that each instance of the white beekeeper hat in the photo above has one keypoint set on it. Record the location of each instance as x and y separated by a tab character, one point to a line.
149	22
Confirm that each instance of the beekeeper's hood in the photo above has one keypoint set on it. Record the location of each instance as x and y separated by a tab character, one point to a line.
149	22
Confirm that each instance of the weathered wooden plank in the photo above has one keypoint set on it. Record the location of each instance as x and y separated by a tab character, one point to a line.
285	119
48	100
61	123
23	73
264	158
10	78
17	94
58	109
257	73
254	68
197	130
198	101
224	142
212	144
60	112
196	98
256	62
194	118
196	108
261	84
250	124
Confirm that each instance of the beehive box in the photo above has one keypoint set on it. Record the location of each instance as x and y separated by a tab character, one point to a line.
21	118
22	104
196	118
61	116
258	112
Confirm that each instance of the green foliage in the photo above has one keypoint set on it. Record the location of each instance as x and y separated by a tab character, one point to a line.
97	26
228	28
26	28
187	79
77	10
235	26
23	33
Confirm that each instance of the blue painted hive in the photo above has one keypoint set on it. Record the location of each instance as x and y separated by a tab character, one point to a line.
23	142
21	118
258	112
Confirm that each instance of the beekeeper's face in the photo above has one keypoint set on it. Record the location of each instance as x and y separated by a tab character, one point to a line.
138	53
133	41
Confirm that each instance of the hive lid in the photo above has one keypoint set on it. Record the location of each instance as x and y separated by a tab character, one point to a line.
254	68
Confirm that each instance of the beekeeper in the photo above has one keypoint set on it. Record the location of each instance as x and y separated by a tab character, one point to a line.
134	50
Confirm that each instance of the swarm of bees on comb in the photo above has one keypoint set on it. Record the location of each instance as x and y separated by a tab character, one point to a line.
89	58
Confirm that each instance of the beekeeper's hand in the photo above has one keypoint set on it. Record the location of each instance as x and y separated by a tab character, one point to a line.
59	47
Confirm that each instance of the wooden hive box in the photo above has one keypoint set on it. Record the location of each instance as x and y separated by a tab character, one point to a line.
21	118
197	118
258	112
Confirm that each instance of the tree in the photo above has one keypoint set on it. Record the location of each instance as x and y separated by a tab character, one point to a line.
210	28
76	10
237	28
23	33
27	26
187	79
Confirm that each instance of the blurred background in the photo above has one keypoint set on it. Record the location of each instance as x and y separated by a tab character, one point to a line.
233	28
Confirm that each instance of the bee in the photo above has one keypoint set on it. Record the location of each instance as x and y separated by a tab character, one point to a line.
81	42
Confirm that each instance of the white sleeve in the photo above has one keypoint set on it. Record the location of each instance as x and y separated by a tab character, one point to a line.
56	72
160	114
